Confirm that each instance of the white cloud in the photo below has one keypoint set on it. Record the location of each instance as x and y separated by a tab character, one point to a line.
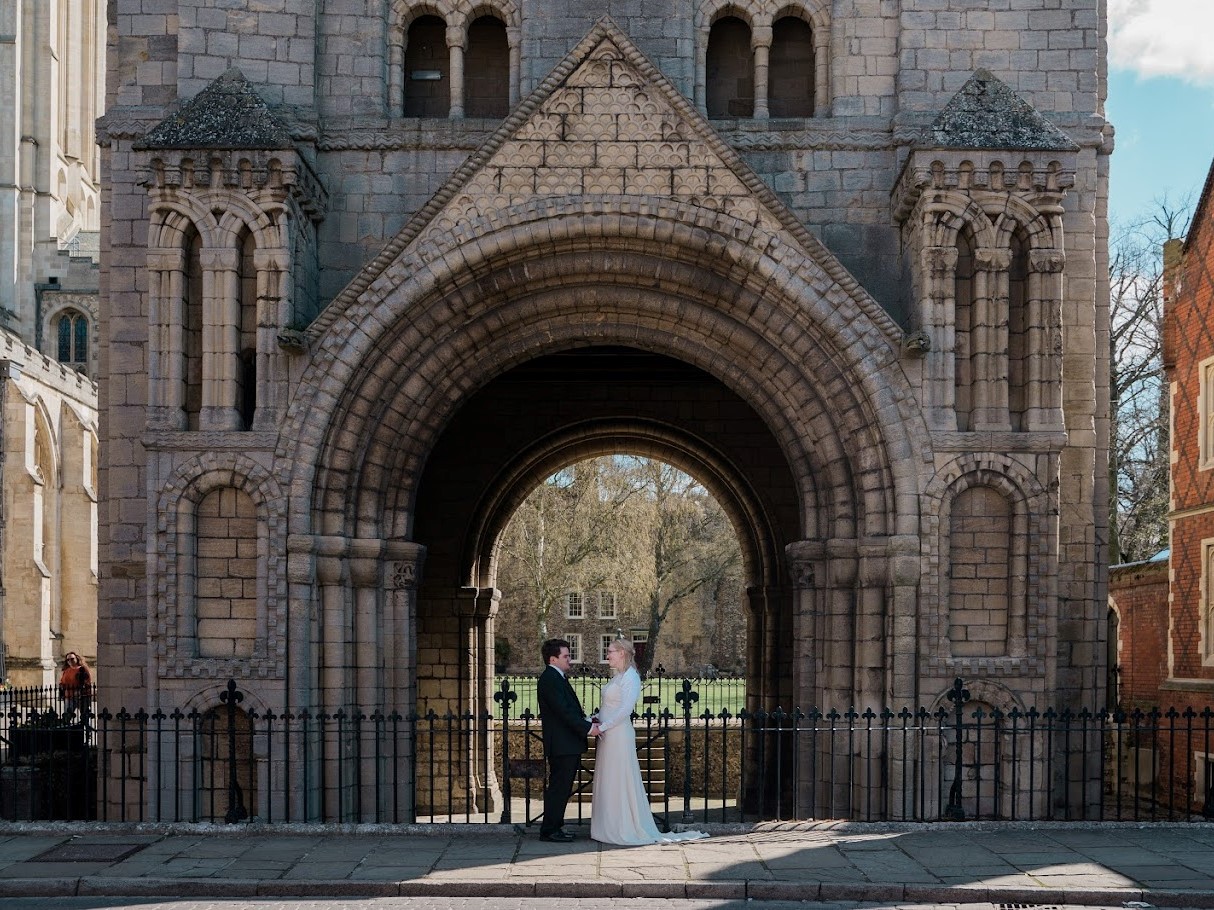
1163	38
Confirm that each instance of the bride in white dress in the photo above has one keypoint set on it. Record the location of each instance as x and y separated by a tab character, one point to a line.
619	808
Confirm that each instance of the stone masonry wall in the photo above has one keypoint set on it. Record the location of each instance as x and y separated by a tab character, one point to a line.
892	67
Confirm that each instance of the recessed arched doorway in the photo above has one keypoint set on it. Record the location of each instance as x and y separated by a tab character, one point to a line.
556	410
443	397
561	408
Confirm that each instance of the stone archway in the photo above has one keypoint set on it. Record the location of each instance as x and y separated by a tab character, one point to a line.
813	373
790	371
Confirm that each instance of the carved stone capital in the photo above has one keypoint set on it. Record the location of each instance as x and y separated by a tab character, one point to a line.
940	258
992	259
166	260
219	259
1048	261
806	562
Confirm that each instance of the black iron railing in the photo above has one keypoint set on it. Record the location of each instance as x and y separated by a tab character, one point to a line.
950	761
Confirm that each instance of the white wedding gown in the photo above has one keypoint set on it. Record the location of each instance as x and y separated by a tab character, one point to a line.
619	808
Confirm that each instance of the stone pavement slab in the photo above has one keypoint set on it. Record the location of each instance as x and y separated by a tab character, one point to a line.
1043	863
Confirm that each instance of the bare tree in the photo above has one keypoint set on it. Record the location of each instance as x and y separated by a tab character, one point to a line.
638	528
568	535
692	542
1138	443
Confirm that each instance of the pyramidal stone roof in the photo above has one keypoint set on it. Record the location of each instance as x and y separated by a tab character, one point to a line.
227	114
987	114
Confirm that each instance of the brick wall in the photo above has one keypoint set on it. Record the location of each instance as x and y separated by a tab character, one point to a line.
1189	340
1139	596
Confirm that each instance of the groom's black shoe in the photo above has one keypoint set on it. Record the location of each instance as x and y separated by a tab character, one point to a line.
560	837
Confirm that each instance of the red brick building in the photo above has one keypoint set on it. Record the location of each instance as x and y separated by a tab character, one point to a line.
1164	608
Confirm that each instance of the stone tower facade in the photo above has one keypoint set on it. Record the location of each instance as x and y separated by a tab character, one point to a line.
52	89
374	269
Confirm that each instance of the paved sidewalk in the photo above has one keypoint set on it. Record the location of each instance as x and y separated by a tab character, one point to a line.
1165	865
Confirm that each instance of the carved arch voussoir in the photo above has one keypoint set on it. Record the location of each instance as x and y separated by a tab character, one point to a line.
983	691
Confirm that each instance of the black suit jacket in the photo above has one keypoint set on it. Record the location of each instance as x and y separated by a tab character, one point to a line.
564	723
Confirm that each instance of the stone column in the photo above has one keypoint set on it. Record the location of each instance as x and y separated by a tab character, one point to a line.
761	44
701	74
937	317
872	625
220	339
334	664
404	561
905	573
807	563
166	316
1043	373
396	74
904	570
516	60
839	629
478	612
272	272
455	50
822	105
990	340
335	624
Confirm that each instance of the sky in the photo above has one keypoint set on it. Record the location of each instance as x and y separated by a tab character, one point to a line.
1161	102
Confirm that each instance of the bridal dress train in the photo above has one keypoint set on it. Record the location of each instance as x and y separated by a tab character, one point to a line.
619	807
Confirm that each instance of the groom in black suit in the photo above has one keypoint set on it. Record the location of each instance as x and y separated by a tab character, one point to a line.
565	729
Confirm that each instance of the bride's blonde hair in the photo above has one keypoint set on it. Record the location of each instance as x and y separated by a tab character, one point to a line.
626	646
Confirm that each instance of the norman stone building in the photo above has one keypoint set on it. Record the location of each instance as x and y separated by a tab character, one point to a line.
52	87
374	269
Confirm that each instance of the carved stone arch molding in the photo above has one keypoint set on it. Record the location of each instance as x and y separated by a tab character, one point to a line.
1031	507
218	216
989	692
173	640
207	697
945	214
756	314
465	12
697	457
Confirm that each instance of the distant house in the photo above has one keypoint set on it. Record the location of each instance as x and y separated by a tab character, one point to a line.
1163	609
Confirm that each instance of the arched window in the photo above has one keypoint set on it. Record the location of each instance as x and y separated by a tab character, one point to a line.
1018	331
427	80
790	90
73	337
487	69
246	392
192	329
730	69
963	308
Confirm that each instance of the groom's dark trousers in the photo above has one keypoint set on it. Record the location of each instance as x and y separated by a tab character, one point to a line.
564	729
